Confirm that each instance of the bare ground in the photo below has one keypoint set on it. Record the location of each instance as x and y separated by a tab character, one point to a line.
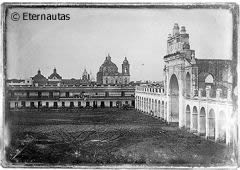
107	136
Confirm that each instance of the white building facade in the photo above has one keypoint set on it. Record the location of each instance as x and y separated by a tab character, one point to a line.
196	94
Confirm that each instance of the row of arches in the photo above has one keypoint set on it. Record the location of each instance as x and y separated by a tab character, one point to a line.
204	122
152	106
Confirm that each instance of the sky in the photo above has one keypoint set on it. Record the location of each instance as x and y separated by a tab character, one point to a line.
92	33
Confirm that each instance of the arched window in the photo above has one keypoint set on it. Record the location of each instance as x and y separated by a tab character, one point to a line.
126	81
106	80
209	79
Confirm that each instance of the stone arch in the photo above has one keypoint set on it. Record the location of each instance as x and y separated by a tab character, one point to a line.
205	78
202	121
188	85
174	99
222	123
209	79
188	115
194	119
211	124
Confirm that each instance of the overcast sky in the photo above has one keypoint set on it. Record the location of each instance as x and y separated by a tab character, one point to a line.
90	34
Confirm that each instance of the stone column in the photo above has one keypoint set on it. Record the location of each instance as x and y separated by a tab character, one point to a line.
229	94
218	93
200	92
208	91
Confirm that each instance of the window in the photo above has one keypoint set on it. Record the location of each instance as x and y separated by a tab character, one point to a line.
87	104
126	81
47	104
23	103
106	80
39	104
67	94
209	79
32	104
102	104
79	104
55	104
63	104
106	94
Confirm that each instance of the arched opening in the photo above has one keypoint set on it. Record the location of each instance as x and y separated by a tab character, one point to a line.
141	104
138	103
147	105
162	111
211	124
155	110
165	110
209	79
144	104
202	121
174	99
188	112
152	111
159	108
188	85
222	127
195	119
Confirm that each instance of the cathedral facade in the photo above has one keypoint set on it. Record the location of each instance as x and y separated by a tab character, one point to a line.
108	72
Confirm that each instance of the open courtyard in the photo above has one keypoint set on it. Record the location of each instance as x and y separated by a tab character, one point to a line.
107	136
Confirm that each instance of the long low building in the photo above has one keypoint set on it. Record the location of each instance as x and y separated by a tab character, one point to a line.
69	96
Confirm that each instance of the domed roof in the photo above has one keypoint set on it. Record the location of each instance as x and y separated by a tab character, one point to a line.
55	74
39	77
108	67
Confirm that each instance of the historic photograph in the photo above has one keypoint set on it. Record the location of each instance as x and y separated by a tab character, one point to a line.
112	85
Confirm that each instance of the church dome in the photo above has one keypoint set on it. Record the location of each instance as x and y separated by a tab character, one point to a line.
54	75
39	77
108	67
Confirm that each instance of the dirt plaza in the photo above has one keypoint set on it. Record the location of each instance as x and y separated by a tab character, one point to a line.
107	137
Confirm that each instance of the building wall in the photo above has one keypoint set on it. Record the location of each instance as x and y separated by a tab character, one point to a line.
154	101
40	96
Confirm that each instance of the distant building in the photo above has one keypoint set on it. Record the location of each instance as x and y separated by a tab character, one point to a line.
55	92
56	80
108	72
16	82
85	76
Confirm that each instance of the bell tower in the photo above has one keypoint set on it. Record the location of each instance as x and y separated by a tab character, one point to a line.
125	67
